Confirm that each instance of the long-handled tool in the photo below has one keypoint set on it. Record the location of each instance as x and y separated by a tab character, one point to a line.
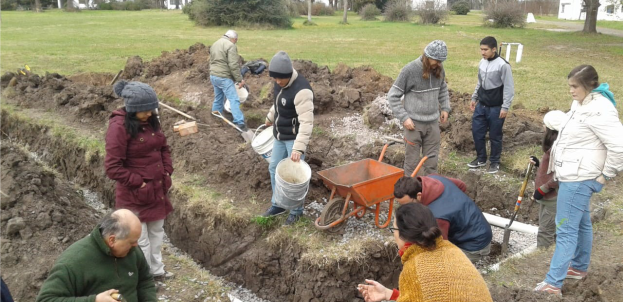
246	135
507	231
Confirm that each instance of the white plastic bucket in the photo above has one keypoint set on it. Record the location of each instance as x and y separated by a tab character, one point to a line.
291	183
262	144
243	94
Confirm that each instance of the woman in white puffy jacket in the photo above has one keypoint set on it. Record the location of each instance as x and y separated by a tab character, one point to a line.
587	153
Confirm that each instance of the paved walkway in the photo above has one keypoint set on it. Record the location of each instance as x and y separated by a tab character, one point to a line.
574	26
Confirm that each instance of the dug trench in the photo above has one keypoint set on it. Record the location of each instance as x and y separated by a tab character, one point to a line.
221	185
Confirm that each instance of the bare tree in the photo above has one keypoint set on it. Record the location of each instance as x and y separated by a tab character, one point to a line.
38	6
345	4
70	5
591	7
309	10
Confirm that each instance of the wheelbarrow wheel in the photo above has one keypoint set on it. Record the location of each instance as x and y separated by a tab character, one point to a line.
331	212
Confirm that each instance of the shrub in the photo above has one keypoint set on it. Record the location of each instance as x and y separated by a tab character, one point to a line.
505	14
318	9
369	12
461	8
357	5
105	6
397	10
432	12
271	13
292	8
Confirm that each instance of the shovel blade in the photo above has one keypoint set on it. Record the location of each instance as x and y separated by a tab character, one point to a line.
507	235
247	136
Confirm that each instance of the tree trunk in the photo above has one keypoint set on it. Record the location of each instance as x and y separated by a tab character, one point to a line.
345	4
70	5
309	9
177	4
590	24
38	6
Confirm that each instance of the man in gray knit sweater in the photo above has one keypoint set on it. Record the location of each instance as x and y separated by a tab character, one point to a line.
423	85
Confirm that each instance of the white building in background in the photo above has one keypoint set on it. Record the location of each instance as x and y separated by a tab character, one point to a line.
609	10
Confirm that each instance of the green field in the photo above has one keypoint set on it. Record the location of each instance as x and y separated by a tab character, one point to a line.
605	24
101	41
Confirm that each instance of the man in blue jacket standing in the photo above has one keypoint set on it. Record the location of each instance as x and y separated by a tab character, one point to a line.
490	103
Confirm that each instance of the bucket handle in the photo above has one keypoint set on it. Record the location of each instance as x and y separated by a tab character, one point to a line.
256	130
288	197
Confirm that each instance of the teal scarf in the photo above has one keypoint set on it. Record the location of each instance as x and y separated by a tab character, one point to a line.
604	89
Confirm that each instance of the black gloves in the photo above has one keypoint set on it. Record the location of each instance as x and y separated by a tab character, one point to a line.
535	160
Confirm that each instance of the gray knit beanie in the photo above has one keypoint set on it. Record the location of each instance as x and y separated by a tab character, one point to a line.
280	66
436	50
137	96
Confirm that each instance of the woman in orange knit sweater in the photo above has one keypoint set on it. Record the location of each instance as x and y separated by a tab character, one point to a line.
433	269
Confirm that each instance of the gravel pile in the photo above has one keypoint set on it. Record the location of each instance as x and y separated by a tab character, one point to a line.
518	241
355	127
355	229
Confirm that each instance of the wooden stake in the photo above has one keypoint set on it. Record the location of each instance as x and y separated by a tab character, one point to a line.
177	111
116	77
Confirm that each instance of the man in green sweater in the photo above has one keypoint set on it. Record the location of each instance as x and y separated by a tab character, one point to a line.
105	262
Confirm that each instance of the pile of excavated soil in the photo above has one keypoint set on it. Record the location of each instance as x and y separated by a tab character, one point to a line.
42	215
220	160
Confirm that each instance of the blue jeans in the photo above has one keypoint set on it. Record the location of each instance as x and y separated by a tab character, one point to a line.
574	231
226	88
281	150
487	119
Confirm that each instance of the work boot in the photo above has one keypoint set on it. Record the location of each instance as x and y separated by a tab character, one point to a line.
493	168
547	288
573	273
274	211
292	219
476	164
242	127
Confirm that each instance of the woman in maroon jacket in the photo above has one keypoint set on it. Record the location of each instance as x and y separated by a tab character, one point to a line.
546	188
139	160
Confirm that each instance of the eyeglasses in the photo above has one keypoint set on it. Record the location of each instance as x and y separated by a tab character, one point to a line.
392	229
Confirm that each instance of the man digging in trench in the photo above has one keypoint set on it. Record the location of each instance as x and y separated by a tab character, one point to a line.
459	218
106	262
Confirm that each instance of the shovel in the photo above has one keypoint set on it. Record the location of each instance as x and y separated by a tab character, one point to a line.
246	135
507	231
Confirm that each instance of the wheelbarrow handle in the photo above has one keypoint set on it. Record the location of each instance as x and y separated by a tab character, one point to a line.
385	149
422	161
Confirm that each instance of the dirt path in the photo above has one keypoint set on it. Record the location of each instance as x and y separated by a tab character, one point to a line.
573	26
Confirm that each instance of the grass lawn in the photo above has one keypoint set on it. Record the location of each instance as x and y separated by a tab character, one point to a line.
101	41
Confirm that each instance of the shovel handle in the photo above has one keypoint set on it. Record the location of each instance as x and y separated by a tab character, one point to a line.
219	115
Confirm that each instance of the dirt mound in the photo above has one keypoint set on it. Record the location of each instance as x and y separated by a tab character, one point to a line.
41	216
92	78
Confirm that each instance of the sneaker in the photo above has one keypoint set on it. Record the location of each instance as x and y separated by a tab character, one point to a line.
573	273
273	211
242	127
292	219
493	168
163	277
547	288
476	164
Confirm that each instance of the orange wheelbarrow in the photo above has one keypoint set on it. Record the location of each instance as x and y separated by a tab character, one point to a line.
366	183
